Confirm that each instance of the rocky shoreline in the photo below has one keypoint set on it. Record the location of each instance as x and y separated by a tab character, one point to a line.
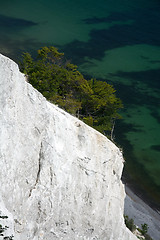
140	212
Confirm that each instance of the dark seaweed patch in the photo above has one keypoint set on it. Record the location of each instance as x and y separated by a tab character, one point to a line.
15	48
140	30
155	114
14	23
155	147
116	16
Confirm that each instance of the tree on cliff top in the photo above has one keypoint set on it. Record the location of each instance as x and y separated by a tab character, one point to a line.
61	83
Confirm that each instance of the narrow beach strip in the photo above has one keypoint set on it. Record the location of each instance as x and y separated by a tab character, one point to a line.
140	212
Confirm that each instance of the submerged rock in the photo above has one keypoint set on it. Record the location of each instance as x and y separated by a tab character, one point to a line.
60	179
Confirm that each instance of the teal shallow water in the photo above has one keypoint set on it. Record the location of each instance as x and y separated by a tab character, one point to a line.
110	40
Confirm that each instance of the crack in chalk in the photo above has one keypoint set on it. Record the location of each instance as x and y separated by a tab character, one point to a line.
92	171
51	175
107	161
37	129
39	164
85	159
16	221
39	170
51	203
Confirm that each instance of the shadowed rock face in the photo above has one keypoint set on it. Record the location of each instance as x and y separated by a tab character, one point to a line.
60	179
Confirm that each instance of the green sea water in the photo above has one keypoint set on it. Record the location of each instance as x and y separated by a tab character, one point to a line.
115	41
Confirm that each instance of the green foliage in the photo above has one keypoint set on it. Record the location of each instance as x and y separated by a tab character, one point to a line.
3	217
61	83
102	105
144	228
130	223
147	237
3	229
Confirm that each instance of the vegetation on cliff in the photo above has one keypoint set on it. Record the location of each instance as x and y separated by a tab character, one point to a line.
141	233
3	229
60	82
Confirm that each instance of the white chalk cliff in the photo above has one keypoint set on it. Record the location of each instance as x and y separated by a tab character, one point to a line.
60	179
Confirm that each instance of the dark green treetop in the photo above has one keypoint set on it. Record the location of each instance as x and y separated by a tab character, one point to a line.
61	83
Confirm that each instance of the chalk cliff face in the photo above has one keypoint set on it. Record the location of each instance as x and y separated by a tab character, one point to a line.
60	179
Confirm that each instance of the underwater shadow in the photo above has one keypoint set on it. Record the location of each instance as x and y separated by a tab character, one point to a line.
11	24
134	173
14	48
143	29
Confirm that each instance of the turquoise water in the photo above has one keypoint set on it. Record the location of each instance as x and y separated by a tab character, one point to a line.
116	41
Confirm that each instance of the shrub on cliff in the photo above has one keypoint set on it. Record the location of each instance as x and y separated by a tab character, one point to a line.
130	223
61	83
3	229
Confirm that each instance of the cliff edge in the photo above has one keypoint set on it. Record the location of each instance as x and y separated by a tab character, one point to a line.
60	179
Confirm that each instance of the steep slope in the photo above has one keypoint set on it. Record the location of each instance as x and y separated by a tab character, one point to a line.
60	179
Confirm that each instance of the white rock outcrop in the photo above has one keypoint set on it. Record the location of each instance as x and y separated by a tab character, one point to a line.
60	179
